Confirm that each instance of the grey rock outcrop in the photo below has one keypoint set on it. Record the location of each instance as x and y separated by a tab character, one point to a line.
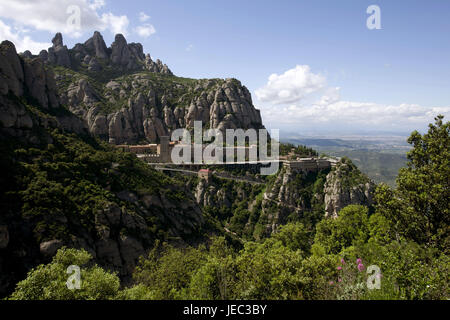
120	56
118	251
41	84
17	76
288	195
49	248
139	109
343	188
59	54
27	54
97	45
11	70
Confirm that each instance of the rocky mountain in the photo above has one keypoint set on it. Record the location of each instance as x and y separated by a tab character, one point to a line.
93	55
60	187
125	97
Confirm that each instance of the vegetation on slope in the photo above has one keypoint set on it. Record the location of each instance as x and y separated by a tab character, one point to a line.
407	237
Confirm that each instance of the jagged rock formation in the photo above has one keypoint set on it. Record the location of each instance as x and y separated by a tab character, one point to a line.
29	79
59	54
346	185
139	108
94	56
125	97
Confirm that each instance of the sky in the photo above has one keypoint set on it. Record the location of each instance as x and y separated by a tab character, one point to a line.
311	66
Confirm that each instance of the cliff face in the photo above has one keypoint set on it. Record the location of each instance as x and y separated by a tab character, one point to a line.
125	97
29	79
346	185
296	194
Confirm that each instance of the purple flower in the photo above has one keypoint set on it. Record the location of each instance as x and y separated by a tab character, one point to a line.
331	283
342	261
360	267
339	280
358	261
339	268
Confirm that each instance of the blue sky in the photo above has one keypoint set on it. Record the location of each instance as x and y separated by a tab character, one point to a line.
400	73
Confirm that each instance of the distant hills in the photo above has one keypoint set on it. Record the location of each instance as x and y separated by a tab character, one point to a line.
380	157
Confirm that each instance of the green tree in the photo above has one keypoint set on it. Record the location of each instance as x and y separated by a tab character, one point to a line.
167	270
349	228
419	207
216	278
48	282
268	270
294	236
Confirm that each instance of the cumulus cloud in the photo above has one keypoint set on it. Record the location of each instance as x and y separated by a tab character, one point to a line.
117	24
57	16
146	30
287	100
143	17
359	115
21	40
291	86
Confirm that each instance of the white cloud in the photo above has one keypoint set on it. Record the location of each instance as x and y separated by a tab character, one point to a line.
21	41
291	86
331	95
287	101
354	115
53	16
143	17
146	30
189	47
117	24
